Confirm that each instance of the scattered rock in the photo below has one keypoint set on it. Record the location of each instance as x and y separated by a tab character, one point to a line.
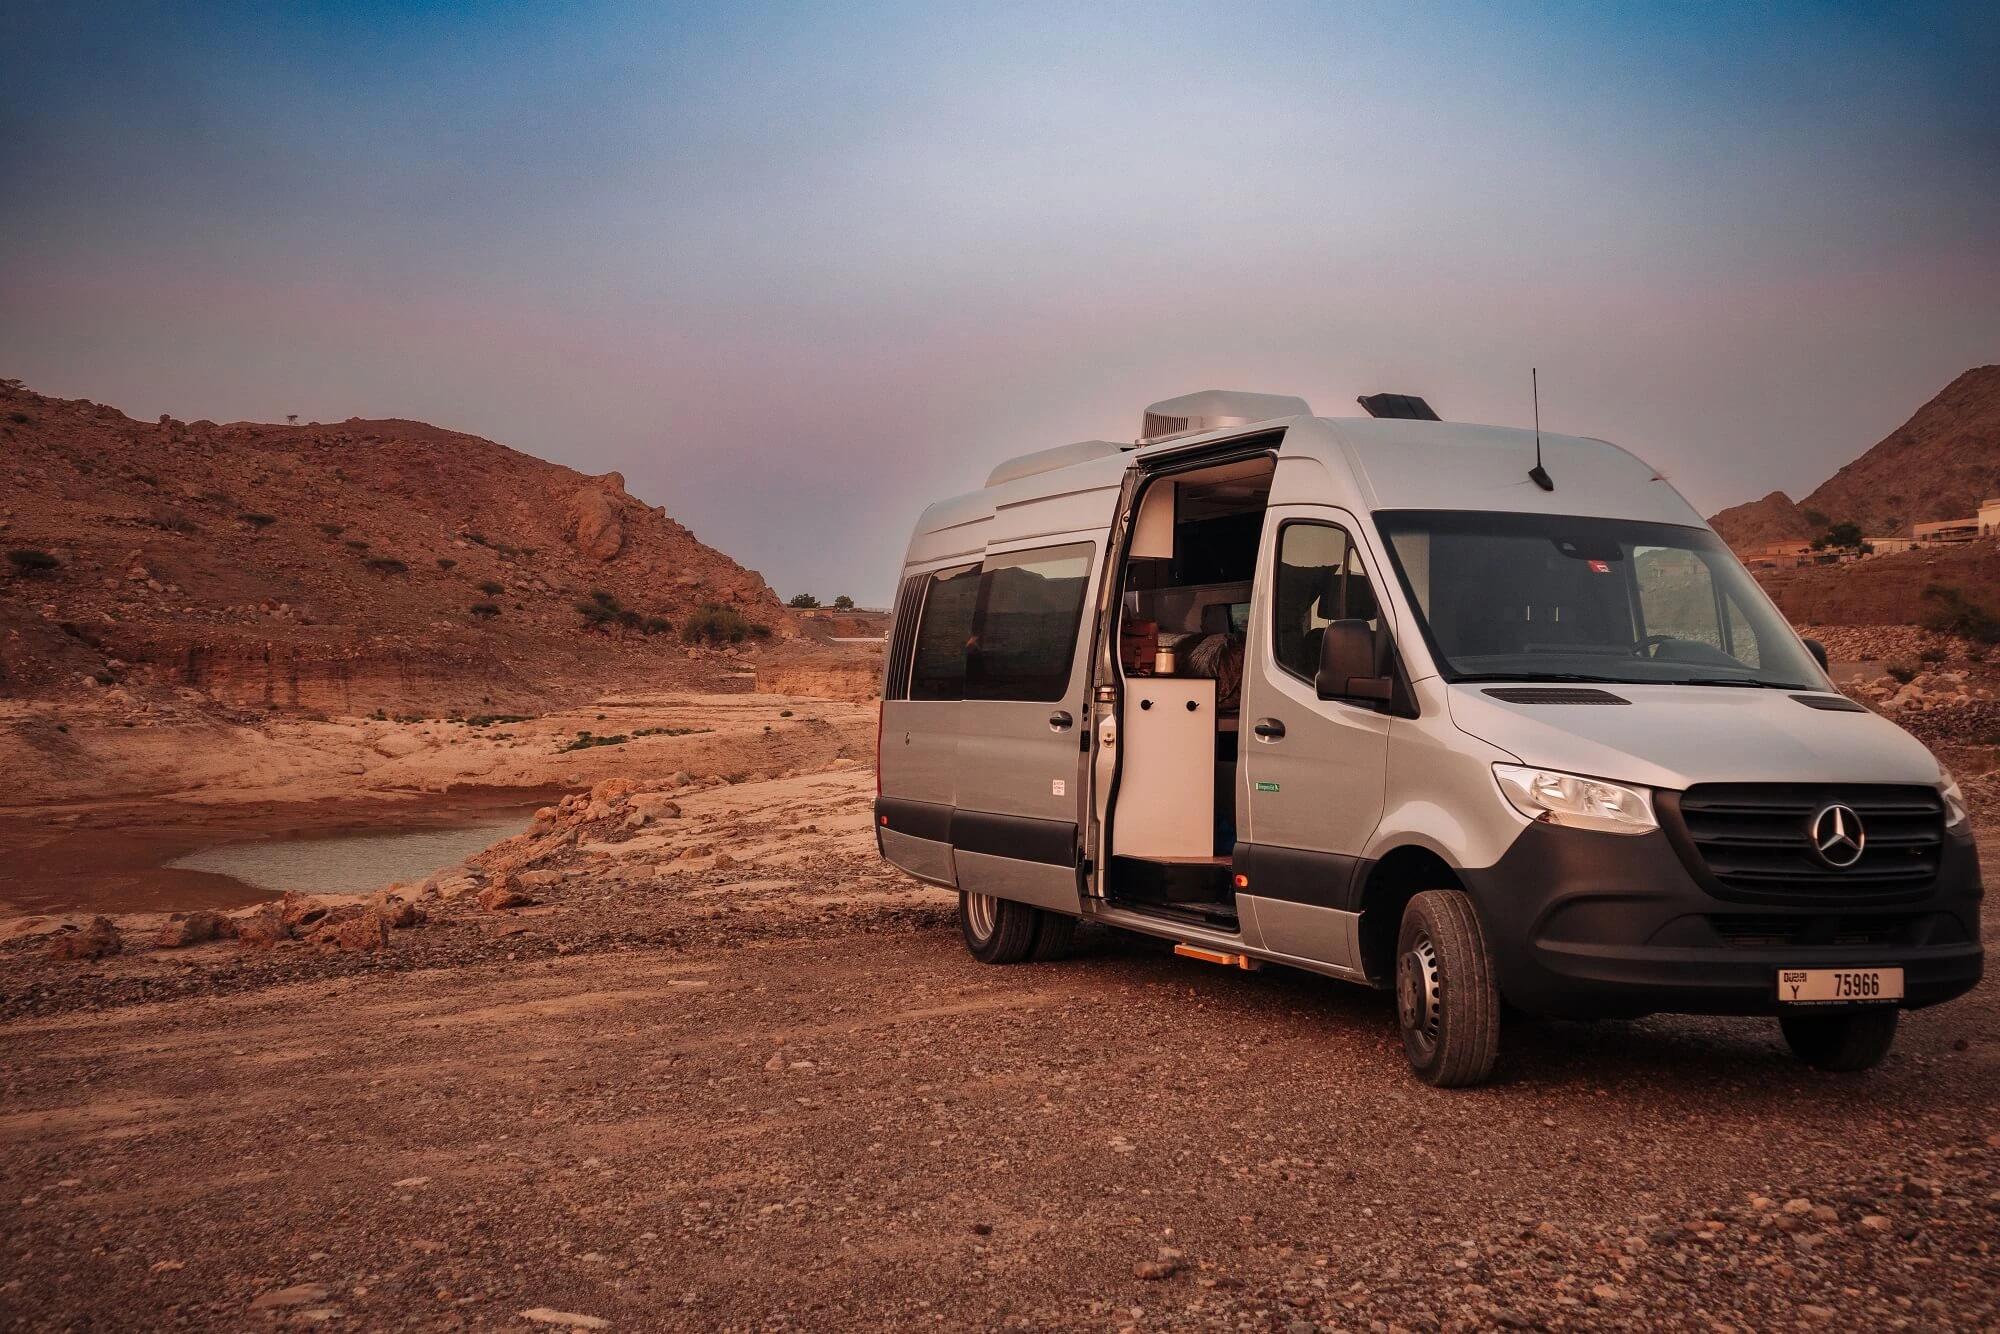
297	1295
543	1315
95	941
263	928
193	928
495	898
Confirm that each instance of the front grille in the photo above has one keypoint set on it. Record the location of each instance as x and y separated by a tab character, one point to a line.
1753	841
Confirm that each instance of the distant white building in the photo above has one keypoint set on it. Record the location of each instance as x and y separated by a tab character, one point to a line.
1989	518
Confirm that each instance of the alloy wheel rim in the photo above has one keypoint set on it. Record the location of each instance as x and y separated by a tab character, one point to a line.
981	912
1419	995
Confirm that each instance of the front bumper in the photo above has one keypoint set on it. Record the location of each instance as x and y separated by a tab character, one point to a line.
1583	924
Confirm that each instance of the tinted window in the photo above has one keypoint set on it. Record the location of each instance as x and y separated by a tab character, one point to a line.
1318	581
938	670
1024	638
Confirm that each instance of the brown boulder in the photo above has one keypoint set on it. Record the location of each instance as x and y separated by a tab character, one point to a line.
496	897
594	524
193	928
93	942
263	928
354	929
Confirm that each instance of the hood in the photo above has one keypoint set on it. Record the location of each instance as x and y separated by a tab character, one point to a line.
1676	736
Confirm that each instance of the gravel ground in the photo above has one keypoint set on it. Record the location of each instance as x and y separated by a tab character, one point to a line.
773	1092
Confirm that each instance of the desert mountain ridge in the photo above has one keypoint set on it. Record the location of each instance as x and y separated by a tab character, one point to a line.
1937	465
342	566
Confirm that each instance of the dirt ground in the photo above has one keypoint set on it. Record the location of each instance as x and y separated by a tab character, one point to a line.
728	1072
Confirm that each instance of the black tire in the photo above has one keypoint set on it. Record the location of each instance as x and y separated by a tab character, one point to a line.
1844	1041
996	930
1447	1004
1054	934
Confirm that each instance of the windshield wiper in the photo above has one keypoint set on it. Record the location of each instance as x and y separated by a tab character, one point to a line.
1749	681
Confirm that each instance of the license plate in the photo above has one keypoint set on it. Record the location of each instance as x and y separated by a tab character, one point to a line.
1836	986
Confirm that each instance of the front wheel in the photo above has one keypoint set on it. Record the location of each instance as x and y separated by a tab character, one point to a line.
1842	1042
1447	1003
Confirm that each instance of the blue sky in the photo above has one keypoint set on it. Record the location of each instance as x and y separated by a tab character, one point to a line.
796	270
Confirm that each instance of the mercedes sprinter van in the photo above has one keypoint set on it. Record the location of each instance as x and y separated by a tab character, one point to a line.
1482	716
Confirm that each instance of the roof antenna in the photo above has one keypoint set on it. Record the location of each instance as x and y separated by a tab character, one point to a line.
1538	474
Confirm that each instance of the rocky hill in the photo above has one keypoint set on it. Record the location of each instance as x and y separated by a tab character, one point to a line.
343	567
1938	465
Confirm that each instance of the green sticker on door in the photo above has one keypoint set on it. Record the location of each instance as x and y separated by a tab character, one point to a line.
1267	787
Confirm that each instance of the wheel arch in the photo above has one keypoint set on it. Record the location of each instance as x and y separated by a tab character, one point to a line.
1395	878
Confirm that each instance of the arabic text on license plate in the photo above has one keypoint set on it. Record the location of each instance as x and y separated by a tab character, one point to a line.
1810	986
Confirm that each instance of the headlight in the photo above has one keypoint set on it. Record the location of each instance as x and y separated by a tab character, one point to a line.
1954	800
1549	797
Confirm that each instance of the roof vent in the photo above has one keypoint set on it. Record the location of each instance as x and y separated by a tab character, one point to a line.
1048	460
1216	410
1402	407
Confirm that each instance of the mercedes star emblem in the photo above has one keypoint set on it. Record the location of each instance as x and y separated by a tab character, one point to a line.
1837	836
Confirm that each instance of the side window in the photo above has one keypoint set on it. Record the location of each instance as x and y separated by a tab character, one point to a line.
938	667
1318	581
1024	638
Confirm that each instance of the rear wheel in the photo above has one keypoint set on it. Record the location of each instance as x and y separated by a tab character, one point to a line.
1446	1001
1844	1042
996	930
1054	935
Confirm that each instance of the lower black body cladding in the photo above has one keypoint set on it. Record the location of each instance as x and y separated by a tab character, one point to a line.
1050	842
1584	924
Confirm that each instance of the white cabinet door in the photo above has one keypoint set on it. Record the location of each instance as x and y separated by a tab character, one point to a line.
1166	779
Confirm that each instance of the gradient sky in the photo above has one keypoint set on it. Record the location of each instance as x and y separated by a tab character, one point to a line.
797	270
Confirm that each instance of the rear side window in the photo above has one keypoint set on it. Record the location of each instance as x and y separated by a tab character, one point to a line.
938	667
1024	637
903	636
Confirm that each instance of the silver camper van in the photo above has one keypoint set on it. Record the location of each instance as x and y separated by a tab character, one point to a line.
1488	717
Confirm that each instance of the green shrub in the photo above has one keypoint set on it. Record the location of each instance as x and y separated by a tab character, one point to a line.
843	603
1901	671
1931	655
657	625
332	529
387	565
804	600
485	611
716	624
1946	609
356	544
27	560
492	588
258	521
19	418
446	562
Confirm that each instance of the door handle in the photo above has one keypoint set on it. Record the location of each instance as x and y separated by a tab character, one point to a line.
1269	729
1060	721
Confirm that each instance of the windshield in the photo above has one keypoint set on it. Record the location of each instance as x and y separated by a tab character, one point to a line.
1542	597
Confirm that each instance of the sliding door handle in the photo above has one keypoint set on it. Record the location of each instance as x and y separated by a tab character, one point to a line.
1269	729
1060	721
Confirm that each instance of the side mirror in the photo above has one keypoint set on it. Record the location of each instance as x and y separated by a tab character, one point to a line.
1818	650
1354	663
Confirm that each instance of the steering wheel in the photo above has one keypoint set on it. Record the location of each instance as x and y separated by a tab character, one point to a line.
1644	648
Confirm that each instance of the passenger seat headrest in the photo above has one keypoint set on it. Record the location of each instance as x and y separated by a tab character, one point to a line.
1215	619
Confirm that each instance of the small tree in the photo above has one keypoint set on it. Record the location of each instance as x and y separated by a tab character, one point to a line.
291	419
843	603
1844	536
805	601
